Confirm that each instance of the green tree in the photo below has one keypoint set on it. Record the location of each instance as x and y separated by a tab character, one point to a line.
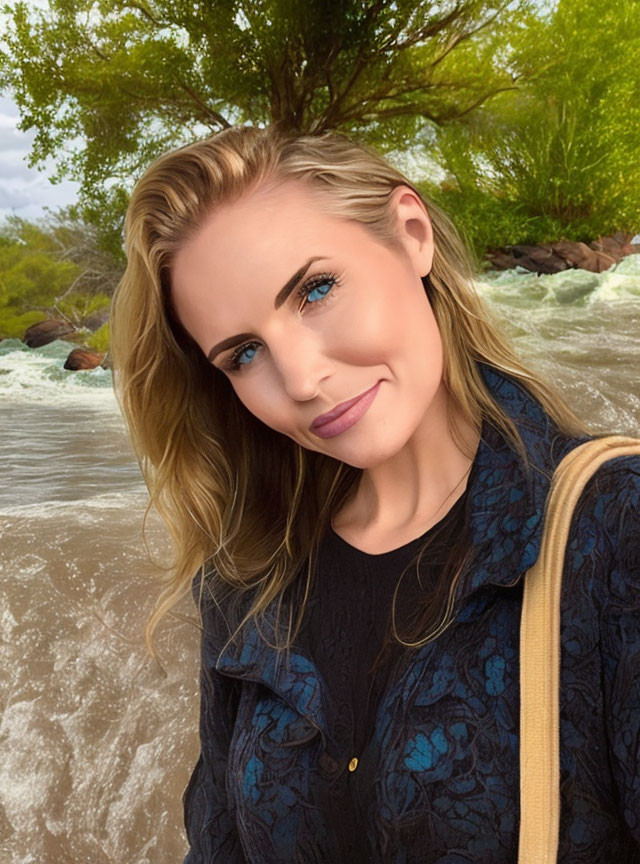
557	157
130	80
54	268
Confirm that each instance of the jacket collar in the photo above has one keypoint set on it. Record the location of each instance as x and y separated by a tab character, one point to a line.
507	501
506	515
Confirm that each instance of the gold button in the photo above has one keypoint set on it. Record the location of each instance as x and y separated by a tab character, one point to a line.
353	764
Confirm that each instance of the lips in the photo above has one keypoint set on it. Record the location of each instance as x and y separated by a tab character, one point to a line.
321	419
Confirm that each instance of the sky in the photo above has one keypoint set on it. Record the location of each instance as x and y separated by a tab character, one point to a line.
26	191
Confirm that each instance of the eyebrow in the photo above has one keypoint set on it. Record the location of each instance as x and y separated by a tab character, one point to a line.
281	297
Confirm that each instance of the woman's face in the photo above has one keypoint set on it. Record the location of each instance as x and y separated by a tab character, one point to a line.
365	317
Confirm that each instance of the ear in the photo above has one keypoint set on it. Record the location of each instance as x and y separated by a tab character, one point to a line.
414	228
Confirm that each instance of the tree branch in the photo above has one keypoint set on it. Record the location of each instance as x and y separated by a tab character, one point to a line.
426	32
467	33
207	110
360	63
147	14
457	114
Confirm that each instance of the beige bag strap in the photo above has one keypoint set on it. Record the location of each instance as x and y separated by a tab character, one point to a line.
540	652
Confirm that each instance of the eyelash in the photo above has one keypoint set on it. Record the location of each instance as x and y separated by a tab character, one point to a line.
304	290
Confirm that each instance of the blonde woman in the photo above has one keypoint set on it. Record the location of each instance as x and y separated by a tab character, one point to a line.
354	464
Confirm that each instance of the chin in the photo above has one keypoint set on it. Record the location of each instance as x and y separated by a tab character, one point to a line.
368	452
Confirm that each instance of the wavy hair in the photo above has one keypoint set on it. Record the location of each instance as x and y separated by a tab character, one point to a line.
246	506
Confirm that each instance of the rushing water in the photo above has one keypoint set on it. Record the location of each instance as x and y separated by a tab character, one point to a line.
97	741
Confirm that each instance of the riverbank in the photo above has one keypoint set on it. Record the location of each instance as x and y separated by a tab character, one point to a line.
596	257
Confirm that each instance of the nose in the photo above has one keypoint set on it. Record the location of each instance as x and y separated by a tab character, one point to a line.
300	363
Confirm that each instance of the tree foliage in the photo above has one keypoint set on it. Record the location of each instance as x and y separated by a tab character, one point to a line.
559	156
53	268
124	81
532	110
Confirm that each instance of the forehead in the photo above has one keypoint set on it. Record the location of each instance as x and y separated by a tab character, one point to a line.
271	224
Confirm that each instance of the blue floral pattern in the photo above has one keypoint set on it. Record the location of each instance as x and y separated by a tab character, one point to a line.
440	775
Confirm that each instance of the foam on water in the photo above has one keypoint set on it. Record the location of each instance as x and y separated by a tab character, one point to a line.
31	374
520	287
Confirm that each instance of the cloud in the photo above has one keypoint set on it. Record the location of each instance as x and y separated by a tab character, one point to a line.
23	190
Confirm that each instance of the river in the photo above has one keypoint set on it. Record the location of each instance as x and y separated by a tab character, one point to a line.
97	740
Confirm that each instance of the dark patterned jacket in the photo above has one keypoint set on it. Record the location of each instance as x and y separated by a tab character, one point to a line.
447	731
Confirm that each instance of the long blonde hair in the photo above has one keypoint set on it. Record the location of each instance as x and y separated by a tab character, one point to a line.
245	505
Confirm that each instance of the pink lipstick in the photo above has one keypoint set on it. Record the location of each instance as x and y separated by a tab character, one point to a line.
343	415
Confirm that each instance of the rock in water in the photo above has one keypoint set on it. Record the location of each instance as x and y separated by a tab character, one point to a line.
583	257
598	256
46	331
83	358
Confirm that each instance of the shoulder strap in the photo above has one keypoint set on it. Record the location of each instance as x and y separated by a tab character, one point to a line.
540	651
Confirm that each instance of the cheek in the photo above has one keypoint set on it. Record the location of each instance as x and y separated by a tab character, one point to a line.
362	333
430	335
265	404
405	329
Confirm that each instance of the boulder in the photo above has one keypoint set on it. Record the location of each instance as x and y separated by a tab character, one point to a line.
46	331
537	259
596	257
83	358
582	257
618	246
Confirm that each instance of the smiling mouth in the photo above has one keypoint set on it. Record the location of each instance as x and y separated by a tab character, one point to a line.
340	409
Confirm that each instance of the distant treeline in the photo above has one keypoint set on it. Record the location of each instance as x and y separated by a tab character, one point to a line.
55	268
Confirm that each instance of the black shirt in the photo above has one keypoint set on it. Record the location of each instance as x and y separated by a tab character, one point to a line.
346	619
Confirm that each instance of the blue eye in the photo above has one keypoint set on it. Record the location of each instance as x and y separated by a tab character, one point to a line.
316	283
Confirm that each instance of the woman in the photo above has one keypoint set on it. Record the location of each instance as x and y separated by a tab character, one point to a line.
359	576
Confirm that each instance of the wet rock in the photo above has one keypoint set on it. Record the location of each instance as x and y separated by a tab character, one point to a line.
501	260
46	331
83	358
597	256
538	259
583	257
617	246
